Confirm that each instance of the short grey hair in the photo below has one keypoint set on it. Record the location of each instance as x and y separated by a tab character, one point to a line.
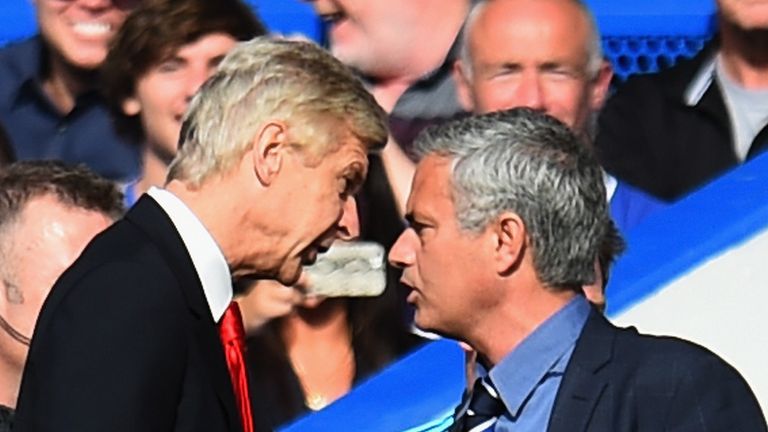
594	43
528	163
319	98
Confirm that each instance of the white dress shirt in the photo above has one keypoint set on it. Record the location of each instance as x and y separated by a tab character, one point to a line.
210	265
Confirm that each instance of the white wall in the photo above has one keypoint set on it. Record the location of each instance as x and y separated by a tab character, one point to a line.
721	304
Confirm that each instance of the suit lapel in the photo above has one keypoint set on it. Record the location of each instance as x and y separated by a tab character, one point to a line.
148	216
585	379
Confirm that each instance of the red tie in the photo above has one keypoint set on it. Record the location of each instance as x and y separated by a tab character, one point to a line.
233	339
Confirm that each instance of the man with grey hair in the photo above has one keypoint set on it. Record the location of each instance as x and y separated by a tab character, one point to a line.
506	215
272	149
48	214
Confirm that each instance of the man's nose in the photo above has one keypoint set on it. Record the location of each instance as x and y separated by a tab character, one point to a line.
530	92
349	224
403	253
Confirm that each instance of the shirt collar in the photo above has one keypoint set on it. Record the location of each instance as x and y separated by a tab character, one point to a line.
701	81
209	261
519	373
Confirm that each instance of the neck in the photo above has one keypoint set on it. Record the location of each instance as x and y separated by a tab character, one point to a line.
63	83
154	169
213	204
522	312
430	43
317	328
11	379
744	54
321	333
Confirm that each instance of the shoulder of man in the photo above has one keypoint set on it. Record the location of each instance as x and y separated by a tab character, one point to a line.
693	386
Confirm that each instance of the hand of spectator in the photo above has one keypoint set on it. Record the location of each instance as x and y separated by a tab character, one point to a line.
266	300
399	169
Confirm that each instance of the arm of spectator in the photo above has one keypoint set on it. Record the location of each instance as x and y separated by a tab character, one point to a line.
399	169
266	300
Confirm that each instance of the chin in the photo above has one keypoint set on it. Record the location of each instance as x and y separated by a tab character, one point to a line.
289	277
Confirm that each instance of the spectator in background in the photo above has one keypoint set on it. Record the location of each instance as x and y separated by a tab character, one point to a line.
49	100
48	213
545	55
671	132
271	150
157	61
6	152
507	215
405	50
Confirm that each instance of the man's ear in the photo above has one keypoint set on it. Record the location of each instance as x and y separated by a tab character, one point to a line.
463	89
131	106
600	86
510	235
9	295
268	149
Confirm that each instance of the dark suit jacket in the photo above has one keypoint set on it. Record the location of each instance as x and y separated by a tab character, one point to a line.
651	138
619	380
126	341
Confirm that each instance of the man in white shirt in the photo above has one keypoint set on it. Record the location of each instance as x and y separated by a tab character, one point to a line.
272	149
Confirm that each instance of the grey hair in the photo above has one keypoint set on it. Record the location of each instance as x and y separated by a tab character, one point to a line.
594	43
528	163
320	100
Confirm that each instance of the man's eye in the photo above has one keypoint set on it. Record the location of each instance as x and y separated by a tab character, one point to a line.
418	228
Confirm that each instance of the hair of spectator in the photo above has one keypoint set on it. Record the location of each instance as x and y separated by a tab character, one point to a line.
594	46
153	32
528	163
75	186
6	151
320	100
611	246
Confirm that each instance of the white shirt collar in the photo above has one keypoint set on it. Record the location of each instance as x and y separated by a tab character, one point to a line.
209	261
700	82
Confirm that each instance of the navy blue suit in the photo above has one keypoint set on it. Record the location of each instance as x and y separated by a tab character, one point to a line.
619	380
126	340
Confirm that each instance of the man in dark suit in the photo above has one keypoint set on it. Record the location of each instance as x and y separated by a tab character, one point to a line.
272	149
507	215
48	214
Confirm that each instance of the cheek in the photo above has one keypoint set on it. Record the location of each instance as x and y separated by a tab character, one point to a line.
495	95
159	96
566	102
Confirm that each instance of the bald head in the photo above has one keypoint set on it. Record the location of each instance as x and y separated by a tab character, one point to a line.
489	16
541	54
